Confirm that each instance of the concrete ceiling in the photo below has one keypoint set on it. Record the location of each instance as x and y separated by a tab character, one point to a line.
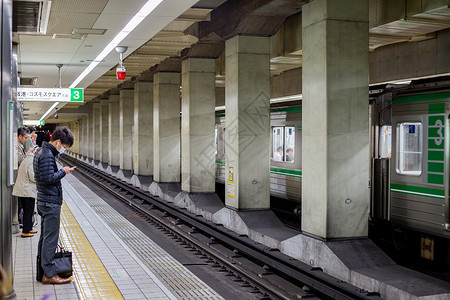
82	29
79	30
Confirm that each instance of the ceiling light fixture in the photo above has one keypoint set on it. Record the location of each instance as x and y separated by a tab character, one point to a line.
132	24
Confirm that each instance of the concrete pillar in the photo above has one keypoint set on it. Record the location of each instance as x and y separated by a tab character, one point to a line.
104	131
166	127
91	141
335	135
113	130
247	115
76	133
143	128
80	140
125	128
87	137
96	131
198	123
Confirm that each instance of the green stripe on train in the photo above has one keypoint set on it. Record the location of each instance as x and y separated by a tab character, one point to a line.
219	162
274	110
436	155
433	119
424	97
286	172
435	178
433	143
436	167
287	109
416	190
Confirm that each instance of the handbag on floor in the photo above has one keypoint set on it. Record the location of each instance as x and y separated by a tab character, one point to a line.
63	262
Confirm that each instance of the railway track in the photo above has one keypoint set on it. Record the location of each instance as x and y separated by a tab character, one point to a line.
264	271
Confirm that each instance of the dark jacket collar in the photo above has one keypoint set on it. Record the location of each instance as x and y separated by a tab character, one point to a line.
51	147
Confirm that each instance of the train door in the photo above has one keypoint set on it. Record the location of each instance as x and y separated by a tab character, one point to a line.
380	134
418	187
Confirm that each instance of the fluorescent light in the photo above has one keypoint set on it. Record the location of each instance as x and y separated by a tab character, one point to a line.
275	100
131	25
49	111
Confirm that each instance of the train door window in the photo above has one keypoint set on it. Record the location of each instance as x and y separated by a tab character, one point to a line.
216	139
278	143
409	148
289	144
223	140
385	141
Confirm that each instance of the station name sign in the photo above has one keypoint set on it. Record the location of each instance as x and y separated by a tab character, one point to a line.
50	95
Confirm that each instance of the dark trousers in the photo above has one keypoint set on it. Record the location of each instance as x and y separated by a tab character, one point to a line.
50	216
19	208
28	209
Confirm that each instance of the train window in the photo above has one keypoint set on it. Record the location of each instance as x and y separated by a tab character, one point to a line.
289	145
385	141
283	143
409	148
278	143
216	139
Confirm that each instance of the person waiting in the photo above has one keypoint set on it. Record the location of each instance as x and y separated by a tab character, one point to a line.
49	196
22	136
30	142
25	190
278	155
289	154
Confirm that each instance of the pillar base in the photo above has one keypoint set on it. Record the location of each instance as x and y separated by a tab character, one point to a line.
15	228
102	166
142	182
166	191
204	204
112	170
96	163
125	175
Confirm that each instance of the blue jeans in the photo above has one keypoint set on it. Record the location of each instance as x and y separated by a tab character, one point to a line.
50	218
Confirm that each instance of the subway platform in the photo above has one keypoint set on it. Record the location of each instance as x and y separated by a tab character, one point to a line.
112	259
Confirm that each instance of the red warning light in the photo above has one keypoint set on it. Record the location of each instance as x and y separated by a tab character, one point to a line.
120	73
51	135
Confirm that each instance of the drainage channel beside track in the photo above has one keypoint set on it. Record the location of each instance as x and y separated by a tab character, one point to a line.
264	271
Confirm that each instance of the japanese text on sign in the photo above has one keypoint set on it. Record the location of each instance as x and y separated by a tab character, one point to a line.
50	95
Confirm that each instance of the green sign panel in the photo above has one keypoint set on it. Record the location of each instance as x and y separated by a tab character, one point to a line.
76	95
42	122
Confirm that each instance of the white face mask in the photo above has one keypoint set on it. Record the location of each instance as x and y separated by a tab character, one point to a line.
62	150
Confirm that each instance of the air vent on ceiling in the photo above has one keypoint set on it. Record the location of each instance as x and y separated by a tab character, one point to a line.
27	81
31	16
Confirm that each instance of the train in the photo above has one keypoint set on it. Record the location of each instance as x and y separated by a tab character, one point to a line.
409	173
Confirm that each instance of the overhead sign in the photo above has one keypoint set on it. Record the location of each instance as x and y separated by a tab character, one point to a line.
50	95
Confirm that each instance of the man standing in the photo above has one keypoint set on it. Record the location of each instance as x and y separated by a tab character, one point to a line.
49	197
22	136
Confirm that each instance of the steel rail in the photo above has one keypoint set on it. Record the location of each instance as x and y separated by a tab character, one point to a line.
316	280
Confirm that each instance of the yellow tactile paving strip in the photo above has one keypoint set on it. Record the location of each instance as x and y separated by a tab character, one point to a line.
91	278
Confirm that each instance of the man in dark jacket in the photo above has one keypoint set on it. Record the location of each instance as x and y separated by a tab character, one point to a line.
49	197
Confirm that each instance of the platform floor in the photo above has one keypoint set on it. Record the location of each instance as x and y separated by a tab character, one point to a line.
112	259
